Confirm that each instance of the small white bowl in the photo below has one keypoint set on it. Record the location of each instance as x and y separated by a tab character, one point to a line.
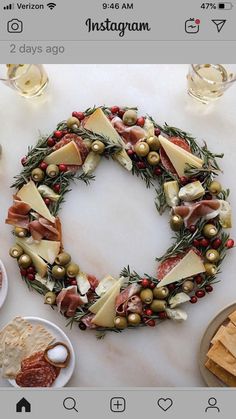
4	287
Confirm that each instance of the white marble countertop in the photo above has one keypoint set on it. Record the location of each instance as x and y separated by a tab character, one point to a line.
113	222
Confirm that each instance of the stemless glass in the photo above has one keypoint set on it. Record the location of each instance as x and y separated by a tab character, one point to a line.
29	80
208	82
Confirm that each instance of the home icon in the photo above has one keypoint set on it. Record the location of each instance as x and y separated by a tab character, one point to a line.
23	406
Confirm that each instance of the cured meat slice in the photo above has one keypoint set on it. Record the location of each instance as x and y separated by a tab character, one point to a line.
36	377
124	297
191	213
130	135
87	320
68	300
18	214
167	265
78	141
36	357
93	281
43	229
165	159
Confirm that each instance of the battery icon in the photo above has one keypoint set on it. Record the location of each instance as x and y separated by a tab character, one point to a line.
225	6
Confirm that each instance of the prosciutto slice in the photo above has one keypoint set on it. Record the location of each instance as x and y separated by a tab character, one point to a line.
93	281
83	149
18	214
87	320
131	135
43	229
68	300
191	213
124	298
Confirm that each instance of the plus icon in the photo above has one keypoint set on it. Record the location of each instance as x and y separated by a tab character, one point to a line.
118	404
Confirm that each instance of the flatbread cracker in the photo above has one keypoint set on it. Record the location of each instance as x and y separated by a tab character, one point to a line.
232	317
14	354
16	326
228	339
218	334
219	372
222	357
37	340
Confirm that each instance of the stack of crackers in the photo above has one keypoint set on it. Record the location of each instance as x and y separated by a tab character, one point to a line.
222	354
18	340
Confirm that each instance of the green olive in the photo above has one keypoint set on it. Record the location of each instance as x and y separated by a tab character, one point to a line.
72	270
141	149
130	117
24	261
153	158
50	298
87	142
215	187
37	174
134	319
52	170
209	231
98	147
58	272
211	269
176	222
73	122
153	143
20	232
161	293
187	286
158	305
120	322
16	251
146	296
212	255
63	259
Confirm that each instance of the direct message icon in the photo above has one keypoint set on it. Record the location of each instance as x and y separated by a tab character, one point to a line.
165	403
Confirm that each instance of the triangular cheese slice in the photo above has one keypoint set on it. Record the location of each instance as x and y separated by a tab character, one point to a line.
31	196
68	154
100	124
179	157
40	265
106	315
190	265
101	301
47	249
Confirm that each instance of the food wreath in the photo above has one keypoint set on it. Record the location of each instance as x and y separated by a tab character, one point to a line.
169	160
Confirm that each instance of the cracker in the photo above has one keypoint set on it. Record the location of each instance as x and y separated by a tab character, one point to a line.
14	354
219	372
222	357
218	334
228	339
37	340
232	317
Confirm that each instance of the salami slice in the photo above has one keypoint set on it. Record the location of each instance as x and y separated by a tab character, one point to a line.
165	267
165	159
78	141
36	357
35	377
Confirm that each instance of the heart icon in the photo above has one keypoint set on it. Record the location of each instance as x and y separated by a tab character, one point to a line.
165	404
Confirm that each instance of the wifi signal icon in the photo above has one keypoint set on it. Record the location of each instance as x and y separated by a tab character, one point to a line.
51	5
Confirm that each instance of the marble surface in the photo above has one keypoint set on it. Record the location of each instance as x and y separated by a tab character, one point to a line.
114	222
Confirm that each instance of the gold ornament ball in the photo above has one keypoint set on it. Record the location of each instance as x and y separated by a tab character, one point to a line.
72	270
63	259
211	269
120	322
37	174
24	261
73	122
16	251
158	305
176	222
215	187
212	255
146	296
153	158
153	143
161	293
52	170
20	232
58	272
50	298
130	117
141	149
134	319
209	231
98	147
187	286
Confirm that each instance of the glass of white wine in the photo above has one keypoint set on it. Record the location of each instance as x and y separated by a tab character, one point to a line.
29	80
208	82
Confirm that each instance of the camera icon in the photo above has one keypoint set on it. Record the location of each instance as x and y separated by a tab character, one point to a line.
15	26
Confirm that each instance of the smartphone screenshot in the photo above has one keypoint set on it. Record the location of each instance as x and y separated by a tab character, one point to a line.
117	214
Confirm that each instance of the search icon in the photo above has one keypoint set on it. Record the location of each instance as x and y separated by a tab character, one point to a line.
69	403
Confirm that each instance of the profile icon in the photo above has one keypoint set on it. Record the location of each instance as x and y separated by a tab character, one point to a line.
212	404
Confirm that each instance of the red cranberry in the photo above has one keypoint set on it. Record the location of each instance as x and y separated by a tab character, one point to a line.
31	277
82	326
152	285
184	180
23	272
162	315
115	109
57	187
157	132
192	228
50	142
216	243
196	242
121	113
43	165
141	165
63	168
200	293
130	152
209	288
23	161
151	323
78	115
230	243
47	201
204	242
31	270
140	121
198	279
193	299
145	282
148	312
171	287
58	134
73	282
157	171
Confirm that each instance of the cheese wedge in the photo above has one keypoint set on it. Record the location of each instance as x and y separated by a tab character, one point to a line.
48	283
171	190
69	154
179	157
48	250
102	300
31	196
40	265
190	265
106	315
100	124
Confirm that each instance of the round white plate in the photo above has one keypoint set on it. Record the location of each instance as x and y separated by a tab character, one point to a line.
60	336
4	288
